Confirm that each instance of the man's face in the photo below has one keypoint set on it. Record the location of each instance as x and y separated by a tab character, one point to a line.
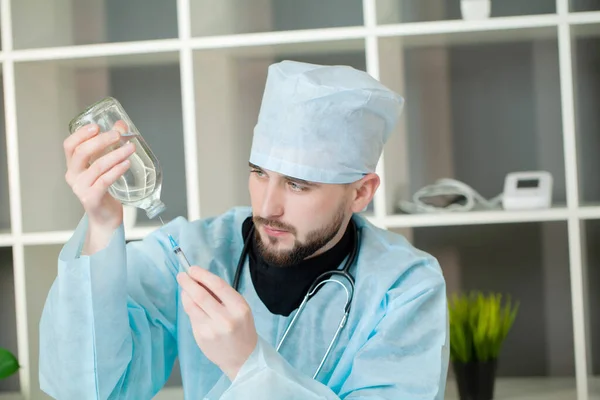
295	219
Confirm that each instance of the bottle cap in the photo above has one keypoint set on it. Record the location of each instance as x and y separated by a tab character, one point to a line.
155	208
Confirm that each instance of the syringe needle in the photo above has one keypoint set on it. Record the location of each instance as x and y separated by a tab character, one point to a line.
163	222
179	254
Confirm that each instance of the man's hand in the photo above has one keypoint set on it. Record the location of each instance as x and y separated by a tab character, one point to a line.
221	319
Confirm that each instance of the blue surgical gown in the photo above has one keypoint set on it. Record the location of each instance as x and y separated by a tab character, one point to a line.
113	324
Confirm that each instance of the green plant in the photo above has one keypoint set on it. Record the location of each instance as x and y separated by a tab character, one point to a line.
8	363
478	325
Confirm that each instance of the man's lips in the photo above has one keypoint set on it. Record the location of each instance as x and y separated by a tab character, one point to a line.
273	231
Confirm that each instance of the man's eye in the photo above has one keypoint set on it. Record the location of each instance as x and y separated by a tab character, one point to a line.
297	187
257	172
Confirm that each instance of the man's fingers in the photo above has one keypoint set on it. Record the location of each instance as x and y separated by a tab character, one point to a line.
90	197
106	180
205	300
79	136
192	308
218	286
105	163
83	153
121	126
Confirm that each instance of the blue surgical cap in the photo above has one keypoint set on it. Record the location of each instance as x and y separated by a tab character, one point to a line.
325	124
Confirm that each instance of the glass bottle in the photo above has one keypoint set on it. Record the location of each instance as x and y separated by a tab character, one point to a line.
141	184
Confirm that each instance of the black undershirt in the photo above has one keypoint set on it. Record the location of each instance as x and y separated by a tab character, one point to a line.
282	289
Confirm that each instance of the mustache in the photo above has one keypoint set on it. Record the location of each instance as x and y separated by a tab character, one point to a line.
274	224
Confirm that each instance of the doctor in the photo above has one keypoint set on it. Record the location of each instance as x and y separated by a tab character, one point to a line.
117	315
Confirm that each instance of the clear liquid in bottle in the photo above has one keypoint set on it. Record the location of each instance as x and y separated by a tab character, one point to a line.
140	186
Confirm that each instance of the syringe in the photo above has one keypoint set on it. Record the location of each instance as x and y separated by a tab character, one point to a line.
179	253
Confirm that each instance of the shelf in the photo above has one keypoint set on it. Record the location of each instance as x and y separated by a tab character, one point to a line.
406	11
145	52
529	262
586	59
41	263
61	237
540	388
586	32
40	272
223	17
473	113
582	18
4	186
476	218
391	222
456	34
59	23
591	272
296	48
457	30
6	239
8	321
589	212
11	396
526	27
51	93
484	98
594	387
88	60
230	83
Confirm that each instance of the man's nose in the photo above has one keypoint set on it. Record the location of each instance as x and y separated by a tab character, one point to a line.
272	205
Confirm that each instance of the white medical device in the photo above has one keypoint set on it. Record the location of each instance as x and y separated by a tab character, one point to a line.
448	195
527	190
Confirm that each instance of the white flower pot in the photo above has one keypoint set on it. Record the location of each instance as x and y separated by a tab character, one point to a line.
129	216
475	9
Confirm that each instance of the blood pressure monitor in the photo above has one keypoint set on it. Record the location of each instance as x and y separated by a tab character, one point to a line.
527	190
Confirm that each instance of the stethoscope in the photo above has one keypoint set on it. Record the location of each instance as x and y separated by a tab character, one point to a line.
321	280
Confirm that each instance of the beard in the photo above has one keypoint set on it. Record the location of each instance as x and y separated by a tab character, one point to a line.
315	240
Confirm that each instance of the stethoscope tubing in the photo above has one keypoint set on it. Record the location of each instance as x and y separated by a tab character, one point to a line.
321	280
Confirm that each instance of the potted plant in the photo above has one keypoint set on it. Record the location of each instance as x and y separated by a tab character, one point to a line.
479	325
8	363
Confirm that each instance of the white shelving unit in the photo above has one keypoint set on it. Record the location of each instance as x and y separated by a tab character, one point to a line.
515	92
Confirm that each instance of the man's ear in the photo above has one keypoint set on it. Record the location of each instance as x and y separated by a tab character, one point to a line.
363	191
